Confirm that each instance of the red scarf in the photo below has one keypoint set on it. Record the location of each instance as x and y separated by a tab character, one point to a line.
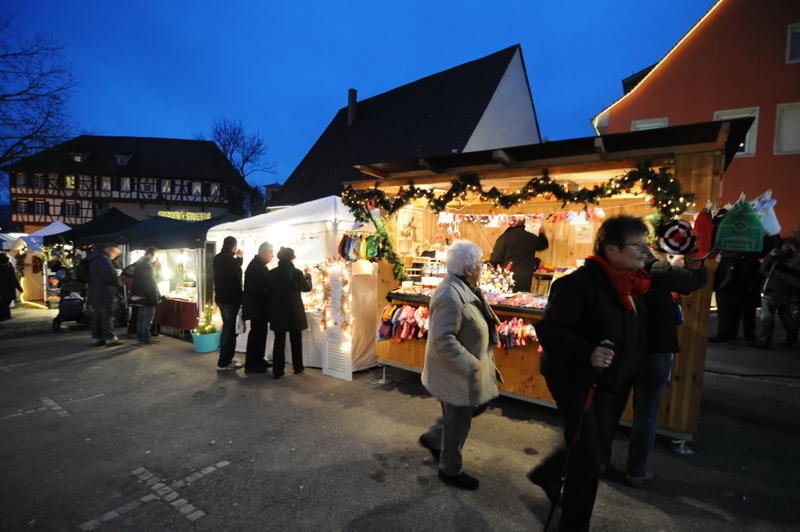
626	285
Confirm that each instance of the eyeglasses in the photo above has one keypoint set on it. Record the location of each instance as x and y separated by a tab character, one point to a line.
644	248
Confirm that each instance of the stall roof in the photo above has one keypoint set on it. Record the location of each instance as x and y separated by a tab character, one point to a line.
110	221
330	209
36	239
724	136
161	232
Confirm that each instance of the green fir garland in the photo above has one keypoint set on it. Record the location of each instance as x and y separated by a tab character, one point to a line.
665	191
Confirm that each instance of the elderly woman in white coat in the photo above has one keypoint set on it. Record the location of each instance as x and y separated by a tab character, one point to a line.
459	362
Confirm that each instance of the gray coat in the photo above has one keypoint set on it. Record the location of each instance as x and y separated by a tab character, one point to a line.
459	360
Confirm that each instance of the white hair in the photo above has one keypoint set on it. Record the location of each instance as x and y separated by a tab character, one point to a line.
264	247
463	253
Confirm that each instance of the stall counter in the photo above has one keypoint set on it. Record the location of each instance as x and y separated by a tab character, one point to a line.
176	313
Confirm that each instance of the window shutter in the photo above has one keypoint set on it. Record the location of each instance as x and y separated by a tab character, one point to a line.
115	184
13	205
31	206
206	189
47	207
12	180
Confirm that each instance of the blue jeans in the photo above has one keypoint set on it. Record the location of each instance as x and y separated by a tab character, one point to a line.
647	390
227	339
144	319
103	323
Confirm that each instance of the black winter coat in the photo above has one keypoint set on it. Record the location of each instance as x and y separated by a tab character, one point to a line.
285	304
255	299
662	323
103	280
583	310
519	246
9	284
227	278
145	289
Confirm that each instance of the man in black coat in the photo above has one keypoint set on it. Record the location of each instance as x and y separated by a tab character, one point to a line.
145	295
255	307
9	286
228	287
104	284
663	317
592	332
518	247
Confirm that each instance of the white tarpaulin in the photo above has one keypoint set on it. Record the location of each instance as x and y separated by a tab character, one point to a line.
313	230
36	239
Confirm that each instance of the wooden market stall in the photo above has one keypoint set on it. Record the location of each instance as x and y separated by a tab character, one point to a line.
697	155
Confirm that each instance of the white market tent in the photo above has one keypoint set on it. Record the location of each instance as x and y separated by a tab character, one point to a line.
313	230
35	240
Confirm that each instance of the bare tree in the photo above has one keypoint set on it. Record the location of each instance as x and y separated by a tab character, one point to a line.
35	84
246	153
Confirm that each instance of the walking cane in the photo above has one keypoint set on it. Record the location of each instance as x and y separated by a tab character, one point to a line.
587	403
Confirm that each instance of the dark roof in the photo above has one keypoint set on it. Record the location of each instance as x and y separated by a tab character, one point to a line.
150	157
631	81
430	116
110	221
650	140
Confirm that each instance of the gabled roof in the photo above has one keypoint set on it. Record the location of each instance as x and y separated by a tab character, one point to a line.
431	116
640	78
149	157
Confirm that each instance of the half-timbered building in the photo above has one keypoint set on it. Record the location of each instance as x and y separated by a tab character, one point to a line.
82	177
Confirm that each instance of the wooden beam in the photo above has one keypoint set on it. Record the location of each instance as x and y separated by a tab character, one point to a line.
502	157
370	170
426	164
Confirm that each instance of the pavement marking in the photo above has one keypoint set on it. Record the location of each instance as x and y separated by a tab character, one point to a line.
95	396
159	491
55	407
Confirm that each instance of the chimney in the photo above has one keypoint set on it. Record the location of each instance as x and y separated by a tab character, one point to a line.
351	106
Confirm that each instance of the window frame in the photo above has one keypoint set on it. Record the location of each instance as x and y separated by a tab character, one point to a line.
42	204
751	139
166	186
778	108
125	184
791	28
197	189
71	206
650	123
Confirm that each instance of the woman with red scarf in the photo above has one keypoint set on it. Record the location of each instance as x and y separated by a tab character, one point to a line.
598	305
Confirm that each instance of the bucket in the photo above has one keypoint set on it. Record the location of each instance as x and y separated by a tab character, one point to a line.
205	343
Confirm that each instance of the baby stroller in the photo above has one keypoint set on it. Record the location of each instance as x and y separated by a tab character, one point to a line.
71	306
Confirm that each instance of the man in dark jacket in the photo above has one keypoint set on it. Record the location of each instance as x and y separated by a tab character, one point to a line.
663	317
145	295
103	287
592	332
518	247
781	293
228	288
9	286
255	307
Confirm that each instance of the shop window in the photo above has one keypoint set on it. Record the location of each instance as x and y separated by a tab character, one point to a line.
166	186
747	148
649	123
787	128
793	43
69	182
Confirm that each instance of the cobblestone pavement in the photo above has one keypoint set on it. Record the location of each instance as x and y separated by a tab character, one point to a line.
153	438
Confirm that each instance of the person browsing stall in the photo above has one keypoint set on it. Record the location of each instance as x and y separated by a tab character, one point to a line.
286	310
592	332
459	367
104	284
9	286
228	288
145	295
255	307
517	247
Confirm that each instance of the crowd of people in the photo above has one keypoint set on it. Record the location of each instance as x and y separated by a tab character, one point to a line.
609	328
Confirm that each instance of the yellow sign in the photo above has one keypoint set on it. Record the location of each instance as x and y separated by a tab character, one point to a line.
186	215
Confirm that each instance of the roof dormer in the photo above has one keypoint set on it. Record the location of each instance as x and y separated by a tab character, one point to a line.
78	157
123	158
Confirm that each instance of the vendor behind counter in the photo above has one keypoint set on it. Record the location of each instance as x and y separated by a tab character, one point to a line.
518	247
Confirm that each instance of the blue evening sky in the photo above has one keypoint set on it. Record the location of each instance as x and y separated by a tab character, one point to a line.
168	68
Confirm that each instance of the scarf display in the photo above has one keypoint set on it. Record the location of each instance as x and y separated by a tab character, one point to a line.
486	310
626	285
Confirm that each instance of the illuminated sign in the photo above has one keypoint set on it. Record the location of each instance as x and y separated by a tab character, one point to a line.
186	215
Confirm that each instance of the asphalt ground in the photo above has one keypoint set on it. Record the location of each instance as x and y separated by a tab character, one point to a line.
154	438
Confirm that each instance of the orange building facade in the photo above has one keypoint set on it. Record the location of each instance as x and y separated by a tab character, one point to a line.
741	59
